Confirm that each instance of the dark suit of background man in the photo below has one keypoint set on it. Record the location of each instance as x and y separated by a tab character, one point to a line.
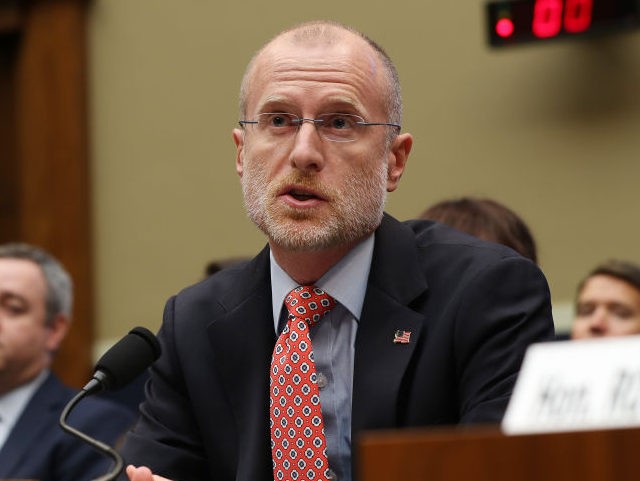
431	325
35	307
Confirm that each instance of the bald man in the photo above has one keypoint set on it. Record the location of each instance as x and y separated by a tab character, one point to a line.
426	326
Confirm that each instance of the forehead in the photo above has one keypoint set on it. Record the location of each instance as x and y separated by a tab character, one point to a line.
603	286
342	66
23	277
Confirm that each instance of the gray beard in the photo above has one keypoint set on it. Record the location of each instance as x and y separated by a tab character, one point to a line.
357	211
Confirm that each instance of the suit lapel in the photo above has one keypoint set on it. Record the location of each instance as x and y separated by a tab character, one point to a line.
243	340
43	409
244	337
380	363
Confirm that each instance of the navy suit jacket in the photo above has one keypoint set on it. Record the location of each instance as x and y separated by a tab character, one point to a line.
38	448
471	307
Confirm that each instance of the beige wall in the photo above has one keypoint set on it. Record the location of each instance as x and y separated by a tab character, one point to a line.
551	130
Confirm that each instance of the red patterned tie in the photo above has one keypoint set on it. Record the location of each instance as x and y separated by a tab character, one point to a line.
298	444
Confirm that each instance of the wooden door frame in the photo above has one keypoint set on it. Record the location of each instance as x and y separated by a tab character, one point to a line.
45	195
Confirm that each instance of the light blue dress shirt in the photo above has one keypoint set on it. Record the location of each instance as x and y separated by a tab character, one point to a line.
13	403
333	342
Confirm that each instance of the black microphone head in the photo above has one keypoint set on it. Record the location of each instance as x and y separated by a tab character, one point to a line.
127	359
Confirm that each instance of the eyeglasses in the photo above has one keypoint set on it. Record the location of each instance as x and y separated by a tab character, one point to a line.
333	127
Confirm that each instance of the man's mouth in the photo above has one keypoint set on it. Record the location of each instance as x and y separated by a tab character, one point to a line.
302	195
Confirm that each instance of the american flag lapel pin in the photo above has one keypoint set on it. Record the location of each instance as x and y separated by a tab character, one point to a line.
401	337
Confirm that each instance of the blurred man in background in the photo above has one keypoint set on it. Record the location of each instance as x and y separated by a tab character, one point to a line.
608	301
35	314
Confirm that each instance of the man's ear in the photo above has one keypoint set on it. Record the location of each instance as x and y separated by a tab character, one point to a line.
397	159
58	328
238	139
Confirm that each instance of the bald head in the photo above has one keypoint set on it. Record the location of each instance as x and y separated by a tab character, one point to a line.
326	34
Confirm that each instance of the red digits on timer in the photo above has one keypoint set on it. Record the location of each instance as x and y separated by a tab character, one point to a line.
577	15
548	18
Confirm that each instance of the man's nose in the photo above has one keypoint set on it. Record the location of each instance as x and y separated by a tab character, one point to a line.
307	151
598	322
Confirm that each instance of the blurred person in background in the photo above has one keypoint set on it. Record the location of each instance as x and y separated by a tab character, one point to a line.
608	301
486	219
217	265
35	315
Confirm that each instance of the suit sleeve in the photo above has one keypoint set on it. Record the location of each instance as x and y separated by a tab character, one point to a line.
504	308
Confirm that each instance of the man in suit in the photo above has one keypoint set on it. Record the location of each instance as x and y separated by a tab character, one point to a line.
35	308
429	325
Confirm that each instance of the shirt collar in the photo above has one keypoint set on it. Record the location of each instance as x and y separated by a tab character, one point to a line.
13	403
346	281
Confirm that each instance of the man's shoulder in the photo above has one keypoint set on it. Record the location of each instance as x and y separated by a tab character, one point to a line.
102	418
433	238
51	397
229	286
422	249
55	389
413	255
52	391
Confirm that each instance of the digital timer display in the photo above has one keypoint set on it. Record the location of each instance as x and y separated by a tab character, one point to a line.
517	21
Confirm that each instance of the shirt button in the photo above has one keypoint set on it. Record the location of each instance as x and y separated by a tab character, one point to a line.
322	381
331	476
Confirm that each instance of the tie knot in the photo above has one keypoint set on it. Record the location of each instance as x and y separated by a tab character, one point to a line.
309	303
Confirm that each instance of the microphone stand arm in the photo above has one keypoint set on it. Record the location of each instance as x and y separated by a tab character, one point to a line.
94	443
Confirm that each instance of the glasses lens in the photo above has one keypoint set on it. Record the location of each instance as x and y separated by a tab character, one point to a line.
335	127
339	127
277	123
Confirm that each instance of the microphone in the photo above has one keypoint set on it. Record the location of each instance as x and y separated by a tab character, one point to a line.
120	365
125	361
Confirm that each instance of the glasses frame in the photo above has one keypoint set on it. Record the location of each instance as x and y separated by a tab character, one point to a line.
298	121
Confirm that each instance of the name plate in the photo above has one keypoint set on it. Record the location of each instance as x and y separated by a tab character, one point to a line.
577	385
